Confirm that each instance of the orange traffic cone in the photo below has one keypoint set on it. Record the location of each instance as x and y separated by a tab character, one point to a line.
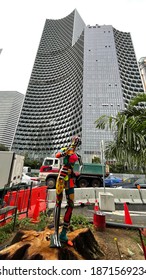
96	208
36	213
127	217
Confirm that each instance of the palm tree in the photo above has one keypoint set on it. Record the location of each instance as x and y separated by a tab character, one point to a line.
129	126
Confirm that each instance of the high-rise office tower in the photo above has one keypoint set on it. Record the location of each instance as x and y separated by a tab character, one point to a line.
80	73
10	108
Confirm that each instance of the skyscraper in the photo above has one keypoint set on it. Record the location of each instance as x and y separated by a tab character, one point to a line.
80	73
10	108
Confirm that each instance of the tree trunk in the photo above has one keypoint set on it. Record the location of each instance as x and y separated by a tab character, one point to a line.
32	245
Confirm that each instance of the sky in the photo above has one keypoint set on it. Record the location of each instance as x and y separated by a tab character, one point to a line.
22	23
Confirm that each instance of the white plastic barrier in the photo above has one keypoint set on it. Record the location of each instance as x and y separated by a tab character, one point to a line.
127	195
88	195
82	196
143	195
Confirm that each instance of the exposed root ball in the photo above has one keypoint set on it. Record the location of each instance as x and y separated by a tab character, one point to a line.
32	245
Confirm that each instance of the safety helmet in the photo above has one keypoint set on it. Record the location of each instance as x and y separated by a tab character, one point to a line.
76	141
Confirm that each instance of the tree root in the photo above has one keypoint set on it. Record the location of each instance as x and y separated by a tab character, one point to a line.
32	245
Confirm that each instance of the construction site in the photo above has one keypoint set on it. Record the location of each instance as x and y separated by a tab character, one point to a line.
113	231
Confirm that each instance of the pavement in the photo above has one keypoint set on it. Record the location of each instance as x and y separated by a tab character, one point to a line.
117	216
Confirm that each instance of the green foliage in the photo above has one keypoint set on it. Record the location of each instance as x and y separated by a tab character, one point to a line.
117	168
136	237
26	223
44	222
6	232
96	159
79	221
120	168
3	147
128	127
4	236
33	163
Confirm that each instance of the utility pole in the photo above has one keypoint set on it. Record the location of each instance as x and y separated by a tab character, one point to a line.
102	161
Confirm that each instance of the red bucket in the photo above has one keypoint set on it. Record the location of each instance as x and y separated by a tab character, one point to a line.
99	221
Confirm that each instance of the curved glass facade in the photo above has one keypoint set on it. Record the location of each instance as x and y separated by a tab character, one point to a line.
128	67
80	73
52	110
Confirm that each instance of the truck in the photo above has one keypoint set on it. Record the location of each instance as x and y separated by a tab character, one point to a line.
91	174
27	170
11	167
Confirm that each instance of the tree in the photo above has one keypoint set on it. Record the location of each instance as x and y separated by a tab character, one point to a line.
33	163
3	147
129	126
96	159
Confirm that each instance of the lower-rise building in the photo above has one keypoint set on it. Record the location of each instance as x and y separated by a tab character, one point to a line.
10	108
142	66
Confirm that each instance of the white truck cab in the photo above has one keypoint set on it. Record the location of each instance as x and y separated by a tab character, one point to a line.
27	170
49	161
49	171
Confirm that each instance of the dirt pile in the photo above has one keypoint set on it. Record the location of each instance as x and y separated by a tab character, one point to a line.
120	244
